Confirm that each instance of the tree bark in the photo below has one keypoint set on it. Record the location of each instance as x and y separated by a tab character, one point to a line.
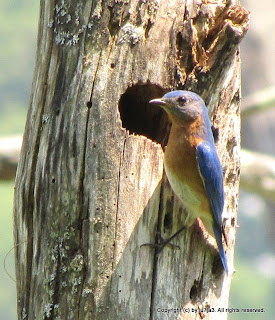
90	187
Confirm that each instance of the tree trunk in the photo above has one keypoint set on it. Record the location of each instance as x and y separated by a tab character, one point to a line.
90	186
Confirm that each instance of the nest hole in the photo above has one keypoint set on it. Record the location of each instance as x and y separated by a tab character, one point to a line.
141	118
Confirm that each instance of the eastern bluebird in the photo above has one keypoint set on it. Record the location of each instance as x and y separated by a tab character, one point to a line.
192	165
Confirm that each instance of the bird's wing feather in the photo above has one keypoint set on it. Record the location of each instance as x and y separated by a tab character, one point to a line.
211	173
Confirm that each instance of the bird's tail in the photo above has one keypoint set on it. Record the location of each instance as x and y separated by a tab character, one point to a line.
218	236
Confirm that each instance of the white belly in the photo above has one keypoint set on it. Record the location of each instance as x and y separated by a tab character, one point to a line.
186	194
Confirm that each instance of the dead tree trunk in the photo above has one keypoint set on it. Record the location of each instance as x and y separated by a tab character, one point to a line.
90	187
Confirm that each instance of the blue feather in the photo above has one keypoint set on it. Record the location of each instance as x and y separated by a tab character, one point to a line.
211	173
179	93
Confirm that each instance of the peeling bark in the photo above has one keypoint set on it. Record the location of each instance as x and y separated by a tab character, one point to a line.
90	186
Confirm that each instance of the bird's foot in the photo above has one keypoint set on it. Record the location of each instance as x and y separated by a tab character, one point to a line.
161	242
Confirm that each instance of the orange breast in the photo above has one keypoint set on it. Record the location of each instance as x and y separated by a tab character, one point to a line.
180	158
183	173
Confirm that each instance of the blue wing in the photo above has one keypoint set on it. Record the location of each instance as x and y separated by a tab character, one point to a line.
211	174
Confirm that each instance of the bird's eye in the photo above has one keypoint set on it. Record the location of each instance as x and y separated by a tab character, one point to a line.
181	100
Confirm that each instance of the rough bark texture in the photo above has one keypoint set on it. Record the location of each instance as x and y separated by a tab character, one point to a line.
90	186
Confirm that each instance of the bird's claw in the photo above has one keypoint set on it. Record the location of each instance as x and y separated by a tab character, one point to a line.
161	243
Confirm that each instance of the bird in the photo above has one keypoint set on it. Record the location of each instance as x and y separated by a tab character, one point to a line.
192	165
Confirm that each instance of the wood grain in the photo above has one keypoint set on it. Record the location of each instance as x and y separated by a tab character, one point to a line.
90	187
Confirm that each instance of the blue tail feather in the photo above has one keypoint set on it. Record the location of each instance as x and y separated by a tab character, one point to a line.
218	235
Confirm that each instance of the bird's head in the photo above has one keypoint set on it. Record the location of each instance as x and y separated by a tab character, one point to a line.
181	106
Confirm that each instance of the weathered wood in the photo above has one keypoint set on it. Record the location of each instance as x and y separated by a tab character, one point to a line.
90	188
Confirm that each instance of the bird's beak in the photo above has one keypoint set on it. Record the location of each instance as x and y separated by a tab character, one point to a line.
159	102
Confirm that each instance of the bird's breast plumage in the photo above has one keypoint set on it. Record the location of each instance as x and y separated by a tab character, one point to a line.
183	173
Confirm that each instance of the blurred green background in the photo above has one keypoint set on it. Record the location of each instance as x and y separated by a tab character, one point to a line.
253	283
18	30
